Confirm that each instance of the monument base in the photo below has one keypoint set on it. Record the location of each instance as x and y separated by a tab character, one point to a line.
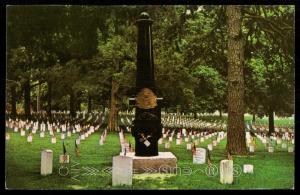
165	162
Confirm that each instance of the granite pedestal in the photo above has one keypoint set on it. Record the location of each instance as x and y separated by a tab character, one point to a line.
165	162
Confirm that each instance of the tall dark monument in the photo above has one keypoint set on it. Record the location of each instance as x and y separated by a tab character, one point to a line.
147	128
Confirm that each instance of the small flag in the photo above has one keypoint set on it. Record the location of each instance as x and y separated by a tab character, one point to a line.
76	149
194	148
229	156
64	148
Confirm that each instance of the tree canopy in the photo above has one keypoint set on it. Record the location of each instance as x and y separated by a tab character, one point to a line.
74	52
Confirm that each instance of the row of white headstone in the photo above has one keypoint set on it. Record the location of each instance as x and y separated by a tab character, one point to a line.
172	121
122	170
220	136
53	138
16	125
266	141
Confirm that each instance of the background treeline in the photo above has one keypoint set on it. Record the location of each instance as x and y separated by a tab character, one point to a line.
76	57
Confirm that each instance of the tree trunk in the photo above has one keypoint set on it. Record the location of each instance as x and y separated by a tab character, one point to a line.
38	102
72	104
13	102
271	121
220	111
27	98
78	104
89	104
195	115
253	118
113	113
236	131
178	110
49	98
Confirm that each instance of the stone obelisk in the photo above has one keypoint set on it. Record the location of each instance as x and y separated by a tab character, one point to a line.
147	128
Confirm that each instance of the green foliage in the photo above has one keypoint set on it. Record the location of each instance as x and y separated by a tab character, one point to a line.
82	48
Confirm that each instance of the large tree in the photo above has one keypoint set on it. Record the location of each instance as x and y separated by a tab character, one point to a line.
235	129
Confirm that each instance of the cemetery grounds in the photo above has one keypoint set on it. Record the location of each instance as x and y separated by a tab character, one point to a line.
92	170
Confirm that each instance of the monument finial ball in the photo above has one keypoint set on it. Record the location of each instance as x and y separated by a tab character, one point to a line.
144	15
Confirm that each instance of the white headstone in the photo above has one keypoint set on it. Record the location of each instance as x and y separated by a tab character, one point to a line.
167	145
286	134
215	143
62	136
290	149
186	139
101	141
46	162
29	138
42	134
78	141
170	139
251	148
122	170
82	137
7	136
284	145
188	146
22	133
53	140
248	168
279	141
210	147
69	134
164	135
121	137
160	141
248	141
202	139
226	171
271	149
200	156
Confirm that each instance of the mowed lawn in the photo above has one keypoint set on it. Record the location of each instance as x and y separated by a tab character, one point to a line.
92	169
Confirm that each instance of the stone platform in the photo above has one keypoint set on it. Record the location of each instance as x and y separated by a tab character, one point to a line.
165	162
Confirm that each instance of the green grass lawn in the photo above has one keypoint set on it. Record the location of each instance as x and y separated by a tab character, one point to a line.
271	170
278	122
